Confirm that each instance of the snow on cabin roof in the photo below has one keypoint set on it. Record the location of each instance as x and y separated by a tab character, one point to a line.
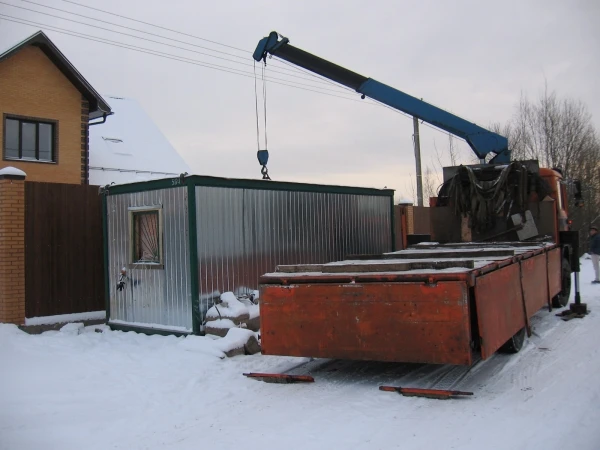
129	147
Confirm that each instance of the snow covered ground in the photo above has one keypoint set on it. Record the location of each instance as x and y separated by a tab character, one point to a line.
115	390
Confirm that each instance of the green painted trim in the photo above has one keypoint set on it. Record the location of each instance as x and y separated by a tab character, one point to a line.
286	186
144	330
197	180
393	222
105	251
143	186
193	246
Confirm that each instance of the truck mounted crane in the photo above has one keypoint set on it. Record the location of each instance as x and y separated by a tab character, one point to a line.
483	142
500	250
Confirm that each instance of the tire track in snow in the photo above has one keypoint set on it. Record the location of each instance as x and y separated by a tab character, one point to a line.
492	374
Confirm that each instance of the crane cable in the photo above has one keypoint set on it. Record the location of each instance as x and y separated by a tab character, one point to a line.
256	105
264	81
262	155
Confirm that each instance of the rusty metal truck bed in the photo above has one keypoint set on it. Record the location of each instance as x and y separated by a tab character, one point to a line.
427	304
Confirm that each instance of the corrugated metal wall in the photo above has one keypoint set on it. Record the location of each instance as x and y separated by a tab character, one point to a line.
152	296
244	233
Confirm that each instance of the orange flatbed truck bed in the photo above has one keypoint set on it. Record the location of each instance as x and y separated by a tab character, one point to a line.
433	303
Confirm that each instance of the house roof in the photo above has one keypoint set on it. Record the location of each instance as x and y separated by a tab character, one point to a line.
98	107
129	147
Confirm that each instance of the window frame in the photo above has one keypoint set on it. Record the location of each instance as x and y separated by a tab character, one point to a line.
36	121
138	210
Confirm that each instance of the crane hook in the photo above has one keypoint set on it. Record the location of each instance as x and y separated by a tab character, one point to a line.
263	158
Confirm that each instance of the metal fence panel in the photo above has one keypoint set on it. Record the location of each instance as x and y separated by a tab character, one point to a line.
244	233
152	296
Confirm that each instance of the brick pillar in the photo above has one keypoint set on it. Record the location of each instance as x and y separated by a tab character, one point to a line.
410	220
85	146
12	246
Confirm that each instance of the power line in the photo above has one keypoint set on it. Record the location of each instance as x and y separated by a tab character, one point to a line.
275	59
108	42
156	26
184	59
295	70
111	23
156	42
168	56
378	102
145	32
372	100
319	77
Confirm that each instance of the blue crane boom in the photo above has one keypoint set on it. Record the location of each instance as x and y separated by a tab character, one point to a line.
482	141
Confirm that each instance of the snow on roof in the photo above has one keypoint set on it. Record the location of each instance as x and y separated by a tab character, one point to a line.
12	171
129	147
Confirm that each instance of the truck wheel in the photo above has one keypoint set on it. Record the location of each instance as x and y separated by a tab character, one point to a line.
562	298
515	343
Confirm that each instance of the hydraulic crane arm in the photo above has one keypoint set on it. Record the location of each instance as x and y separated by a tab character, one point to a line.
482	141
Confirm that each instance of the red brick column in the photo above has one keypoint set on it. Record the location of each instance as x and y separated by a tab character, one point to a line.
12	246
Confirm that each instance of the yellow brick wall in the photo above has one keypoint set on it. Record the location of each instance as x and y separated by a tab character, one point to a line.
410	220
12	251
32	86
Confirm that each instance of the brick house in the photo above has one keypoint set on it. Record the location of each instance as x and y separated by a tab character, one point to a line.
46	106
45	109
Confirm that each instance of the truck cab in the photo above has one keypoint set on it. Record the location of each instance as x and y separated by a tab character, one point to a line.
558	192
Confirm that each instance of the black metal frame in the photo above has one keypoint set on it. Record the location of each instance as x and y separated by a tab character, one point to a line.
569	241
34	121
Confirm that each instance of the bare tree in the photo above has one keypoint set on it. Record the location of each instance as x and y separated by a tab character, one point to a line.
430	184
411	189
559	133
512	133
452	151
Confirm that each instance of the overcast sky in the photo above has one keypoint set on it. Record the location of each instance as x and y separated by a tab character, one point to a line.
473	58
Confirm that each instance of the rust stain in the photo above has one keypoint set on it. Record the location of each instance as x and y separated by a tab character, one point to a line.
408	322
499	308
554	271
405	317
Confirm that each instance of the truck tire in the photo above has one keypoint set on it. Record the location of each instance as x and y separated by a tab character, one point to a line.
515	343
562	298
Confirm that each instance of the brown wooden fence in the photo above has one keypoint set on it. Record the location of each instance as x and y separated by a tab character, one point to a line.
64	264
421	220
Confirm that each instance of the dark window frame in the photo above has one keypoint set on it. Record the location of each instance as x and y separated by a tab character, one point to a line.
36	121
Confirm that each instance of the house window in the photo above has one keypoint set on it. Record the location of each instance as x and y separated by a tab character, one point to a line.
146	236
29	140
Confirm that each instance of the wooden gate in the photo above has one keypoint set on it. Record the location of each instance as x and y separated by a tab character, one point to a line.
64	264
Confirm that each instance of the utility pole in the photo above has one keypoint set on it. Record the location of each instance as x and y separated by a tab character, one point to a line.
418	161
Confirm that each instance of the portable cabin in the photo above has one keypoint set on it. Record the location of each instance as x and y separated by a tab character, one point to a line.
172	246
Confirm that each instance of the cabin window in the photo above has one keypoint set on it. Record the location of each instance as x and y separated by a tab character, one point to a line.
146	236
29	140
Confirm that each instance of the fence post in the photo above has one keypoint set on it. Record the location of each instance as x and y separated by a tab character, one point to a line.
12	246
